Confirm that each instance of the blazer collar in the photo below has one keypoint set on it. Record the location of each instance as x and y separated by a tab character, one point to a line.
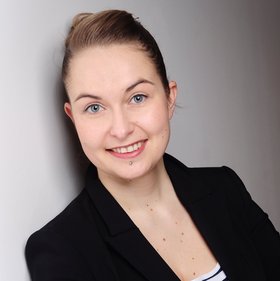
116	218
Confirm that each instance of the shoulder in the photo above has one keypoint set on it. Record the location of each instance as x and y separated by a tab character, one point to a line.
65	225
55	249
207	173
209	178
75	213
200	182
223	184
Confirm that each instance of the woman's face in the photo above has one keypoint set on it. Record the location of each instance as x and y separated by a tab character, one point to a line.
120	109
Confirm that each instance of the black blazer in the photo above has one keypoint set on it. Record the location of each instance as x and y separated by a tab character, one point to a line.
93	239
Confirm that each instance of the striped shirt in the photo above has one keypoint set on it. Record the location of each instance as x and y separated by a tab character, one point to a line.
216	274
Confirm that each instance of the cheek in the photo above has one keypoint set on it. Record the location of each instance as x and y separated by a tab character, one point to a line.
157	121
163	125
89	135
165	133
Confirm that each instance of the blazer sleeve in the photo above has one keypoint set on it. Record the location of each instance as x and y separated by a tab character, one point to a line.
50	257
262	233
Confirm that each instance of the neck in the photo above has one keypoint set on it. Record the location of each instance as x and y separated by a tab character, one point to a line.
136	193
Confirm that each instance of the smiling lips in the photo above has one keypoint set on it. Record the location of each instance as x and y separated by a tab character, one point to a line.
128	151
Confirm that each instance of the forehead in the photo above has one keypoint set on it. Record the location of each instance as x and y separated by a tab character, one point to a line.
109	70
109	66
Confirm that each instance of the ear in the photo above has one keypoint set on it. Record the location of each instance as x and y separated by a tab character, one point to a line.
172	98
68	110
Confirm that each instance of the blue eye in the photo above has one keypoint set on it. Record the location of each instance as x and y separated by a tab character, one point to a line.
94	108
138	98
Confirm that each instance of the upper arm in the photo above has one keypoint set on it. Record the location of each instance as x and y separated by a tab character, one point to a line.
50	258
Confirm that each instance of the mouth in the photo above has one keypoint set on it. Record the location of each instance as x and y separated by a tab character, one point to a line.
130	150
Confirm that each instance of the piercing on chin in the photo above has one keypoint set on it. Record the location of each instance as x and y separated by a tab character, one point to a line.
130	163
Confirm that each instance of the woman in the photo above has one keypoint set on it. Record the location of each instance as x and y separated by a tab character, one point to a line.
143	215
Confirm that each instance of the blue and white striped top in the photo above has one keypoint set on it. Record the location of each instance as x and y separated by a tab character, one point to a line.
216	274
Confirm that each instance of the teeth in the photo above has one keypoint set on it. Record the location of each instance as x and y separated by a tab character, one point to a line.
130	148
127	149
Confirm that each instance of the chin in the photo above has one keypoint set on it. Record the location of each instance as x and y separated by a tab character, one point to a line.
122	170
131	175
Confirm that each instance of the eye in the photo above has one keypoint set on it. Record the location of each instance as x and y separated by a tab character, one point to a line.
94	108
139	98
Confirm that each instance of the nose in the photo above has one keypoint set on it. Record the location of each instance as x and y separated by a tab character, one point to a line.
121	125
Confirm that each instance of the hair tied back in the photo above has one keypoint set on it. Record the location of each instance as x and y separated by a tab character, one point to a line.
78	18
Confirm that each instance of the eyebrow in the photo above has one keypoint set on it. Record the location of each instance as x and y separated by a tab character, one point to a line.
85	95
140	81
128	89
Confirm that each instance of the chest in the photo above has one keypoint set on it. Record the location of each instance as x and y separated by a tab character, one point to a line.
178	242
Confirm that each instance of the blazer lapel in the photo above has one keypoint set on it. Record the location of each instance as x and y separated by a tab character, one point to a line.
212	222
133	246
123	235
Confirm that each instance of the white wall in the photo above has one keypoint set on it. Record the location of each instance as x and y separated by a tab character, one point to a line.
225	57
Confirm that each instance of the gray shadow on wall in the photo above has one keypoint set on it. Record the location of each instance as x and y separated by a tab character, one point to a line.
75	157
